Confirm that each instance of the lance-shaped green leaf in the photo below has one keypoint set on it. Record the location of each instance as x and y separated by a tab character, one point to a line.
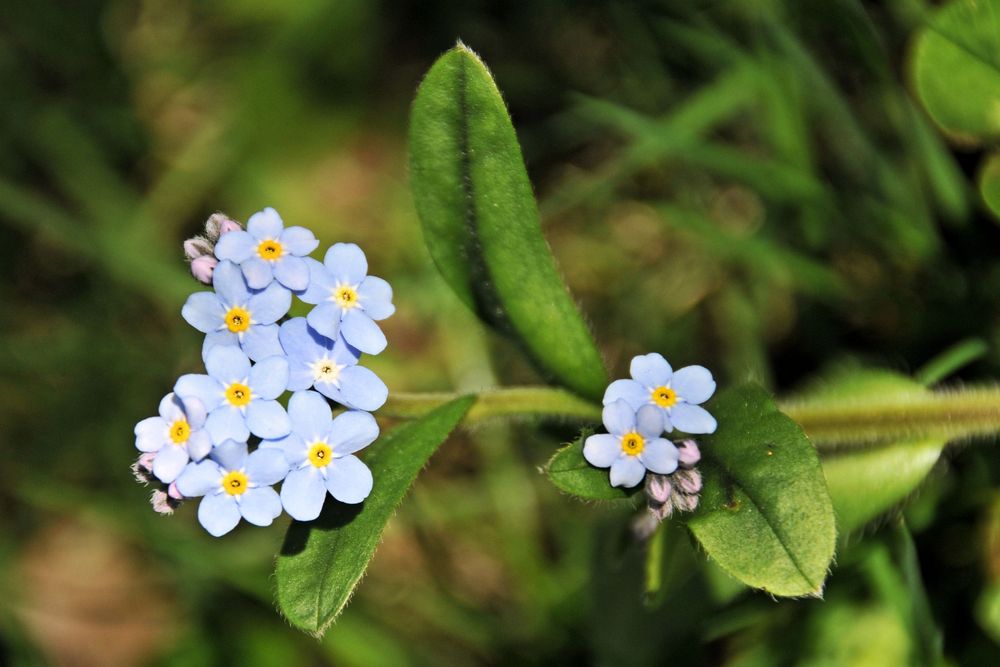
322	561
765	514
481	222
572	474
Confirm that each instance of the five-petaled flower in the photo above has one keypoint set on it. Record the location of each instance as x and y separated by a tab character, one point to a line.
269	251
233	315
677	395
235	484
349	301
320	451
176	436
632	444
331	367
239	398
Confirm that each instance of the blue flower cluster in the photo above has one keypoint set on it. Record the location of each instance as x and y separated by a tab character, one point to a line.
223	435
638	411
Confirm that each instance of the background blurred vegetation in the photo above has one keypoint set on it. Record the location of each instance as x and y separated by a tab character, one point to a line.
749	185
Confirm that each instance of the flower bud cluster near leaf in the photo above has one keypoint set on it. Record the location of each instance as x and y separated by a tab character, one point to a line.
223	435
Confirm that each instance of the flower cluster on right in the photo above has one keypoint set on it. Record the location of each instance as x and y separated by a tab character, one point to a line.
637	414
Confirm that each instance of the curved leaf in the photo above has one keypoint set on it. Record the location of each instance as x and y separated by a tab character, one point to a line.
571	473
989	184
322	561
481	223
765	515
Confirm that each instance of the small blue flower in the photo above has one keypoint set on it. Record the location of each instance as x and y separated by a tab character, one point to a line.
235	484
331	367
239	399
176	436
632	444
320	451
349	300
678	394
268	251
233	315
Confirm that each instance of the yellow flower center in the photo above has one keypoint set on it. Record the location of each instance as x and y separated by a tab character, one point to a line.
664	396
320	454
238	394
180	430
324	370
345	296
235	483
633	443
270	250
238	319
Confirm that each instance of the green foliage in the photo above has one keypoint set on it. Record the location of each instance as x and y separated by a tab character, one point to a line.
322	561
481	222
956	69
765	514
989	183
571	473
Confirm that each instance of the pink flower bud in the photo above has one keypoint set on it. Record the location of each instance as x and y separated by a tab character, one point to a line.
663	511
689	453
173	492
644	525
219	224
161	502
683	503
229	226
658	488
196	247
202	268
146	461
688	481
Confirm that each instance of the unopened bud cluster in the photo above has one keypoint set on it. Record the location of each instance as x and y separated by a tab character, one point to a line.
676	492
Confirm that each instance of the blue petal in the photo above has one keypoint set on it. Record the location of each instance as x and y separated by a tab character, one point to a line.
231	455
227	279
618	417
267	419
169	463
171	408
194	410
629	391
267	466
269	378
227	365
351	431
298	241
300	374
199	445
204	388
303	493
203	311
602	450
321	283
200	478
692	419
651	370
375	295
348	480
362	389
331	391
310	414
260	506
627	471
257	272
300	341
361	331
236	246
151	434
293	447
325	319
270	305
218	513
266	224
227	423
649	421
660	455
292	272
693	384
261	341
344	354
218	339
346	263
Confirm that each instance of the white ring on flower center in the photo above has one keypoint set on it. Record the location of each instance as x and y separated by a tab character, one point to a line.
326	370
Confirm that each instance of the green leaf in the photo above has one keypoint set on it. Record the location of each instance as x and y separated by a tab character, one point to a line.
956	69
481	223
765	515
989	183
322	561
571	473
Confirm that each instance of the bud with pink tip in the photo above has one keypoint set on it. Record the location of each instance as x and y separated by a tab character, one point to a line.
160	502
688	481
197	247
202	268
219	224
172	492
689	454
685	503
658	488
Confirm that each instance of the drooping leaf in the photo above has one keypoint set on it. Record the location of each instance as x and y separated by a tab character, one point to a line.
322	561
481	222
765	515
956	69
989	183
572	474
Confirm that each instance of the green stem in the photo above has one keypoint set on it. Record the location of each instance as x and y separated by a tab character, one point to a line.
945	414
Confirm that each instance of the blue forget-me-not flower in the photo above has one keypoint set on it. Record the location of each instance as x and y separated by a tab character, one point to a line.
174	437
632	444
235	484
677	394
269	251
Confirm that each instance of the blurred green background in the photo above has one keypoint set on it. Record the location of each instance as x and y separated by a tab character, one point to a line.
746	185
